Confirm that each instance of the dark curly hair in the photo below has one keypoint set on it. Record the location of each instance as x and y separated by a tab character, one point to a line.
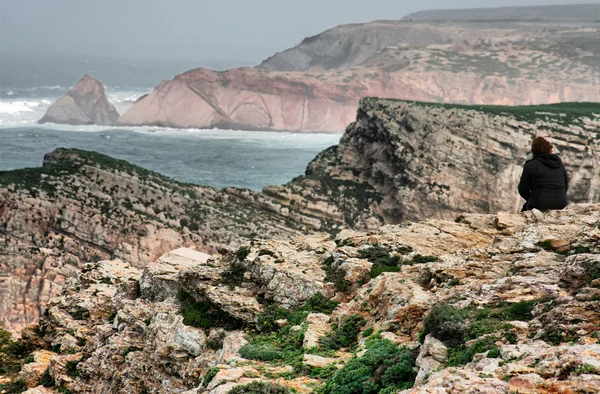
540	145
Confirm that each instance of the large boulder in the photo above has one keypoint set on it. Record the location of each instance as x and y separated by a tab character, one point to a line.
84	104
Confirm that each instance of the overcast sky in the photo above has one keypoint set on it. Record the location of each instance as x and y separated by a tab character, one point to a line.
230	31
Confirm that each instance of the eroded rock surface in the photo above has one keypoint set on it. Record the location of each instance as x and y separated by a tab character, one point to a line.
413	161
81	207
526	324
84	104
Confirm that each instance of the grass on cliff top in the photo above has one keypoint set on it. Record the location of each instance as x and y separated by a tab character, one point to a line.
561	113
71	161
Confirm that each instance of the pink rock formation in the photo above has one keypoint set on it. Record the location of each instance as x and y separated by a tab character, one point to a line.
247	99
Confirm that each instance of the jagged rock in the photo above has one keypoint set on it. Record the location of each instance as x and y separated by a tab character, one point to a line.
318	326
161	281
83	206
38	390
84	104
115	337
31	373
318	361
580	270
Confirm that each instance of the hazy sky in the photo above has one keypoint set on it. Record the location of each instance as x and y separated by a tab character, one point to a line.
228	31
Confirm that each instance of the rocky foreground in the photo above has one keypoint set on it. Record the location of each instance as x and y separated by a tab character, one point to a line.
549	55
481	304
85	104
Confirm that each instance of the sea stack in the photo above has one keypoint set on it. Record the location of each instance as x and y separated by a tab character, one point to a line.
84	104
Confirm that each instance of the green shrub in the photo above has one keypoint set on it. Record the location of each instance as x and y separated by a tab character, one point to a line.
234	276
335	275
445	323
71	368
10	353
242	253
47	380
264	352
80	314
319	304
17	386
205	315
345	335
368	332
209	376
384	366
464	355
419	259
259	387
381	259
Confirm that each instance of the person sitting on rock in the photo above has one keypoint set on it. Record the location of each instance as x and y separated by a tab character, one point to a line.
544	181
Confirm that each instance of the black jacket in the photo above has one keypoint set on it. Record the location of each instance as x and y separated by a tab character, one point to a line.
544	183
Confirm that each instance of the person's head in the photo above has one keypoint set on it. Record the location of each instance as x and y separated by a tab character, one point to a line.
541	146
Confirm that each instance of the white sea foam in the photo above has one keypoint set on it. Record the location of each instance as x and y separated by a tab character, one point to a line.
16	107
10	93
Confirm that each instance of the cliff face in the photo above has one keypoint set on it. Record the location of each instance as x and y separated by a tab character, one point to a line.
82	206
410	161
246	99
485	303
84	104
317	85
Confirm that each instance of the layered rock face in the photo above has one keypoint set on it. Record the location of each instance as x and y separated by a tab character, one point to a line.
245	99
317	85
484	303
84	104
83	207
410	161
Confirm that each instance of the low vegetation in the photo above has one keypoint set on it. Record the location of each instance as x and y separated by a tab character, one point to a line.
384	368
344	335
481	328
384	260
564	114
259	387
203	314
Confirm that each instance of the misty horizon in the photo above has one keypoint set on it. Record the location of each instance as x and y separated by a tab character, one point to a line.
189	33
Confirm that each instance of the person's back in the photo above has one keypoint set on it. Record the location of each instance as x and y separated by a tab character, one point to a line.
544	181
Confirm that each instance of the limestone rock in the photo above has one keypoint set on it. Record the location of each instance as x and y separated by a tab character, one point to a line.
318	326
112	336
84	104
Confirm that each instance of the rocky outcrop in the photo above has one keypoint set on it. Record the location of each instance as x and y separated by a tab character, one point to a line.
484	303
410	161
84	104
82	206
317	85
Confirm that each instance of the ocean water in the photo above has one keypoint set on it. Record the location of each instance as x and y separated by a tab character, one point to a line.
217	158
